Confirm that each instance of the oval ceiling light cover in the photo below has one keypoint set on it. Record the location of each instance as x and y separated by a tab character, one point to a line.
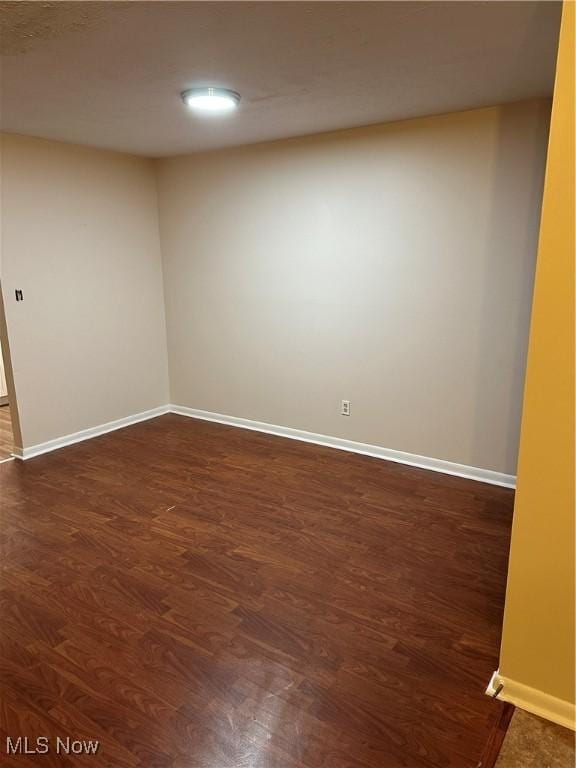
210	100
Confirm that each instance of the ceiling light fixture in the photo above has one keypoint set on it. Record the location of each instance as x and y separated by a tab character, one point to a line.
213	100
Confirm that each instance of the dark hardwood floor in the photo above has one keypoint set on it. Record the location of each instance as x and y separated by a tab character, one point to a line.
198	596
496	738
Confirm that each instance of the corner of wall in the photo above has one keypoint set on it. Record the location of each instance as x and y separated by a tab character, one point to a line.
156	172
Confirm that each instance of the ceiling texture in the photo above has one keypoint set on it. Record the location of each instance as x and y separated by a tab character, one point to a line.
109	74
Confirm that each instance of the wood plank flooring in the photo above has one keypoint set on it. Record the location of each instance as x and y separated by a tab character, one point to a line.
198	596
6	438
496	738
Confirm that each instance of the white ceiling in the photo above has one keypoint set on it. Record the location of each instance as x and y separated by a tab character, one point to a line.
109	74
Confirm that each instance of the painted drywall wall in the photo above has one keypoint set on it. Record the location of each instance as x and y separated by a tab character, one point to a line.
79	237
537	655
391	266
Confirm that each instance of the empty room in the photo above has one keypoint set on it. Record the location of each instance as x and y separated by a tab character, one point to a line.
287	384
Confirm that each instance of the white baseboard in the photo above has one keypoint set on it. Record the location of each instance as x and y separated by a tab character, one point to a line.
376	451
532	700
413	460
87	434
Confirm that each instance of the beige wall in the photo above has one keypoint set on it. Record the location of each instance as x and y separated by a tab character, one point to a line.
79	235
391	266
538	640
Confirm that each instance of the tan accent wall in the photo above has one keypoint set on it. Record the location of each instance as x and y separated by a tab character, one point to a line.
538	642
79	236
390	265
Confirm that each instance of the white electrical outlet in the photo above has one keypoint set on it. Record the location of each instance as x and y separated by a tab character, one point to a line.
345	408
